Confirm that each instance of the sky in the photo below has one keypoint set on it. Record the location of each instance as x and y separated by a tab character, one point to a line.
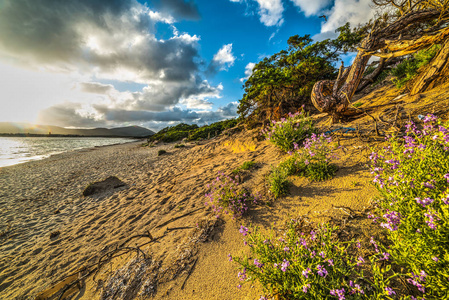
155	63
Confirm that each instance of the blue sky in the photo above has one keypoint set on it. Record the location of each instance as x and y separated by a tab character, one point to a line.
109	63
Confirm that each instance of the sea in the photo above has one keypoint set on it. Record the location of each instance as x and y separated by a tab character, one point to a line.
16	150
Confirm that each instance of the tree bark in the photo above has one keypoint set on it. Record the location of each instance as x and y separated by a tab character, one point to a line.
437	71
327	98
371	77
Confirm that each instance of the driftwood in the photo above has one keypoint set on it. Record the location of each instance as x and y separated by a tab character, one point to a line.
71	282
334	97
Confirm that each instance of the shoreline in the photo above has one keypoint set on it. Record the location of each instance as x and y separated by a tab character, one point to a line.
19	161
42	197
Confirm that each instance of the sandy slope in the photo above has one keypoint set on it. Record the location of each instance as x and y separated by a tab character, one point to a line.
42	197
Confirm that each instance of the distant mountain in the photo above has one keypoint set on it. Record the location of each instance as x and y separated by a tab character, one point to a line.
26	128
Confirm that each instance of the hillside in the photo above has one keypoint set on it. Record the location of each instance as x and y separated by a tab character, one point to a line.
26	128
154	238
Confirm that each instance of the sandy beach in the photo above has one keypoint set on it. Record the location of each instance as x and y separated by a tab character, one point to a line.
50	230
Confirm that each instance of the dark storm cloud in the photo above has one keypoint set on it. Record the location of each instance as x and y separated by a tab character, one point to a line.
180	9
110	35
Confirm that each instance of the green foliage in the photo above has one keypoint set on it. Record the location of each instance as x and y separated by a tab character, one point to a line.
408	69
289	131
315	265
212	130
357	104
245	166
191	132
278	182
320	171
283	82
173	133
226	196
313	160
161	152
412	175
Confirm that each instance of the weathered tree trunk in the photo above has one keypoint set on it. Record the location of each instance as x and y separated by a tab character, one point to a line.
437	72
371	77
327	97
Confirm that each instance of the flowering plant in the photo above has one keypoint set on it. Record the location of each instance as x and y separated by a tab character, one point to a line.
226	196
313	159
311	266
412	175
290	130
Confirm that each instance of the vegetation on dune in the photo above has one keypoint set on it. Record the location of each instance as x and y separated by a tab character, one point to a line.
191	132
408	69
282	82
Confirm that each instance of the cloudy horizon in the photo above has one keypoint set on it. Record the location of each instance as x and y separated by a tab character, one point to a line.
110	63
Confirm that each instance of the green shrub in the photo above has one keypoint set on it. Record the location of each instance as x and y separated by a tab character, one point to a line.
173	133
412	175
313	160
278	182
245	166
161	152
315	265
357	104
212	130
408	69
226	196
288	131
292	165
191	132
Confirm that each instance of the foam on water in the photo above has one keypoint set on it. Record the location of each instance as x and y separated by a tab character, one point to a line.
15	150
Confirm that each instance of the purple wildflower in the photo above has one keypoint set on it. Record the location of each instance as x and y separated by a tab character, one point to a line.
390	291
360	261
258	263
243	230
338	293
306	287
230	257
322	271
285	265
306	272
242	275
424	202
446	176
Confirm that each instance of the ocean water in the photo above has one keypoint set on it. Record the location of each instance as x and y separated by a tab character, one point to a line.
16	150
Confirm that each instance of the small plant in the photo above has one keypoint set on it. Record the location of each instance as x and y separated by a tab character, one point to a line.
412	175
278	182
290	130
408	69
357	104
226	196
161	152
245	166
313	160
315	265
179	146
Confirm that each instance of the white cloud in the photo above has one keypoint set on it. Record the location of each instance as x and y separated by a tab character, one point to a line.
353	11
248	71
224	58
311	7
76	48
269	11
